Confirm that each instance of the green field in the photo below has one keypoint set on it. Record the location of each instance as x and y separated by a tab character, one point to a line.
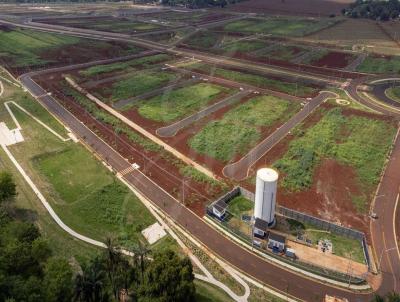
243	46
24	47
282	52
277	26
358	142
239	206
119	66
137	84
394	93
256	80
241	128
179	103
380	65
203	39
208	293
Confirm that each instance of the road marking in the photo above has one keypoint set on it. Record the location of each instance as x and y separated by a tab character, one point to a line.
130	169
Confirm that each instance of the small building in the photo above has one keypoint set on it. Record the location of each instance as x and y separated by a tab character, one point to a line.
260	228
276	241
219	209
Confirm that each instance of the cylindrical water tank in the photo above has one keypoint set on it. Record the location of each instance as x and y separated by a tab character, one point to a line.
265	199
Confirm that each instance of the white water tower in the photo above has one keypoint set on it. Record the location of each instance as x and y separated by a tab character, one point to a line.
265	200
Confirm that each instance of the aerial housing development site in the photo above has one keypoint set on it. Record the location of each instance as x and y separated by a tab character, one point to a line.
198	151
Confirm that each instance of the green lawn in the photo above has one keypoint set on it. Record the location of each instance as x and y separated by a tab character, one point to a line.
240	129
394	93
206	292
23	47
277	26
138	84
179	103
380	65
203	39
243	46
256	80
282	52
144	61
240	205
358	142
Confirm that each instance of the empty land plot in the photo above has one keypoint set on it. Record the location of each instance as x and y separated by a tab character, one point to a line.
111	24
329	59
126	66
203	39
380	64
368	35
179	103
282	52
268	82
135	84
356	142
242	127
293	27
22	50
243	46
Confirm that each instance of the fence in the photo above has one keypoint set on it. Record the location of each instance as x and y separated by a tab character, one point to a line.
305	218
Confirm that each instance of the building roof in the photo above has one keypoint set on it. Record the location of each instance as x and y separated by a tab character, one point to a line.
276	237
220	205
261	224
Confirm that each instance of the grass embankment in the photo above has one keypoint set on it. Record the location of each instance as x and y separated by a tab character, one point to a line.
241	128
179	103
277	26
137	84
374	64
255	80
359	142
148	145
23	47
394	93
119	66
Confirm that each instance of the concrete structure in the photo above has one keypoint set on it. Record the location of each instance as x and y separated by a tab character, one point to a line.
276	241
265	198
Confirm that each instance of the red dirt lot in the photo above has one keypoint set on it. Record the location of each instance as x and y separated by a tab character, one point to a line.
161	167
335	59
293	7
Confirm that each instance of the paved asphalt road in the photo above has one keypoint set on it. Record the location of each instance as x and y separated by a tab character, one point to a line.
379	91
239	170
298	286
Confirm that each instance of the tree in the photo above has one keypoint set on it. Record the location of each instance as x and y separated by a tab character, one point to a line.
7	186
57	281
141	251
112	258
168	278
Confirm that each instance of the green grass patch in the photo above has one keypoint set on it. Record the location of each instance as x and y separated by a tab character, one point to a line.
243	46
277	26
358	142
240	128
393	93
282	52
203	39
179	103
256	80
240	205
144	61
140	83
374	64
206	292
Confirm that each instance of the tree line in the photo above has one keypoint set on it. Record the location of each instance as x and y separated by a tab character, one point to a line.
29	271
376	10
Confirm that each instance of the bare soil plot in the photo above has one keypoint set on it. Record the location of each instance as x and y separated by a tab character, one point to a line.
111	24
331	164
293	7
26	50
330	59
359	33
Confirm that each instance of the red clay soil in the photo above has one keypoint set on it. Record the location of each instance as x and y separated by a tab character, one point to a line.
292	7
159	166
334	59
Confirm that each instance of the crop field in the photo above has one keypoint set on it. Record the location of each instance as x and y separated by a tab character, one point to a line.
23	50
338	148
278	84
242	127
177	104
291	27
110	24
380	64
